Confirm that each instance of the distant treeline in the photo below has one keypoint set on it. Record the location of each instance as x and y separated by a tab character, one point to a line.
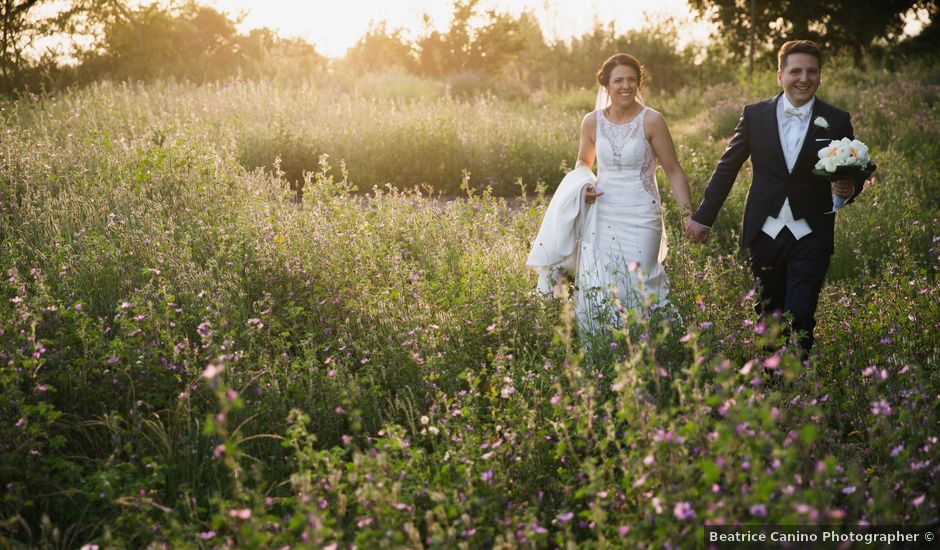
170	41
479	51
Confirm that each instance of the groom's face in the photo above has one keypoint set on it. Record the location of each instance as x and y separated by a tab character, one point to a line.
799	77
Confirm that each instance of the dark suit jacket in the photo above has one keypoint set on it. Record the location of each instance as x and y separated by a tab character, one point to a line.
757	137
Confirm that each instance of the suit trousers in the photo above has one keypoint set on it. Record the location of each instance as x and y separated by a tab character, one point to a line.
790	274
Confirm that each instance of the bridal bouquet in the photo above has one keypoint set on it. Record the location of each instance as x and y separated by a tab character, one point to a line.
843	157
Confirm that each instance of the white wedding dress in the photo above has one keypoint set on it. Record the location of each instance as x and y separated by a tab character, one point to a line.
620	264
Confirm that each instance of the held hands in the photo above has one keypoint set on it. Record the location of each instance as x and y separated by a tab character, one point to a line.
695	231
843	188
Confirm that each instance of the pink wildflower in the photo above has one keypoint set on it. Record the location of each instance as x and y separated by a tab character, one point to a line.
683	510
240	513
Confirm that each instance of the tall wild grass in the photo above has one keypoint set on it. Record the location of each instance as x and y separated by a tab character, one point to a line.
191	358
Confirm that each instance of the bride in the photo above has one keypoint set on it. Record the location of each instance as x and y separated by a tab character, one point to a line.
607	231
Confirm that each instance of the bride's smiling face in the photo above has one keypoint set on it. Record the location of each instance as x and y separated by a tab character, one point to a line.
624	84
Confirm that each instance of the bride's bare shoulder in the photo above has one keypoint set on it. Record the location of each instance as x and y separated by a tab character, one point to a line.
653	114
589	121
654	119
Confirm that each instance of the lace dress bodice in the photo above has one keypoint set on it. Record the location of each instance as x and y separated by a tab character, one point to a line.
624	155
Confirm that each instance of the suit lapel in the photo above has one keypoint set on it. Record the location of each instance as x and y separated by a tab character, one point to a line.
809	143
773	131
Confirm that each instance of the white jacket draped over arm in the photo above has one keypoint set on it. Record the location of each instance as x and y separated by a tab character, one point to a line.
567	222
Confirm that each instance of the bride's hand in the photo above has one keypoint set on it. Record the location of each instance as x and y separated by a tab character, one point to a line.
591	194
697	232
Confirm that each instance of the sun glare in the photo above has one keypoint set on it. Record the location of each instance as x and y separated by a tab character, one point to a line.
334	26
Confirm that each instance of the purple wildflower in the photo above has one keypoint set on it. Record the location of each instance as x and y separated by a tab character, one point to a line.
683	510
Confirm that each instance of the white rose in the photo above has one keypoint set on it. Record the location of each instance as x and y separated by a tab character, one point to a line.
843	153
830	164
820	122
860	151
825	152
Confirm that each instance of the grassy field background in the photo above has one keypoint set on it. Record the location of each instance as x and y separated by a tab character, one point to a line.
192	358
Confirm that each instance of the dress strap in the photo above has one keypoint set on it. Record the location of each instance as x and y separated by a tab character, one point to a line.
598	120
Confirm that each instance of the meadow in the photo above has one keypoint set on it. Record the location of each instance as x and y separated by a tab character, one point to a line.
196	355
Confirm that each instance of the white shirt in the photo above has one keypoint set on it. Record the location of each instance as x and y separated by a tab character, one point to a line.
792	133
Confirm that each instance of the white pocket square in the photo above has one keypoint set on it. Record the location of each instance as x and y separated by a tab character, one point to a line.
822	139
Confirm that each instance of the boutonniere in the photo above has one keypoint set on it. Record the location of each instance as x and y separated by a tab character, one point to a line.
820	124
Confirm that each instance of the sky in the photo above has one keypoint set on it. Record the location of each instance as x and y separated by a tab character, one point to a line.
335	25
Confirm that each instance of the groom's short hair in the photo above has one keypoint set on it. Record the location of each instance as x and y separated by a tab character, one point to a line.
798	46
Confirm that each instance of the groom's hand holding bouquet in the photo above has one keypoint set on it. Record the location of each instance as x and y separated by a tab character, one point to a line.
842	161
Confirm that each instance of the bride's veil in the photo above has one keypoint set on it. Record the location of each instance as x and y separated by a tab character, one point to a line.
603	99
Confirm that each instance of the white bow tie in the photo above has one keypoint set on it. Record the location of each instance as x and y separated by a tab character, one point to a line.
792	111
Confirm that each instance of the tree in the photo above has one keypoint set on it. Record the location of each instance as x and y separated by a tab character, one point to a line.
534	56
497	43
924	44
187	41
835	25
443	53
380	49
655	44
488	48
20	27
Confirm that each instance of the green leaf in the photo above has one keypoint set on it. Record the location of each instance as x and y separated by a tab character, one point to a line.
710	471
808	433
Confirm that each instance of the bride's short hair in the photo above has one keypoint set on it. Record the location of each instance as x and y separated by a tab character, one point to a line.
603	74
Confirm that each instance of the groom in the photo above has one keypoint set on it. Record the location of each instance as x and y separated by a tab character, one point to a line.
789	217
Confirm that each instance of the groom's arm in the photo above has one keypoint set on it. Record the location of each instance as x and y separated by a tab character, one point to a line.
738	151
